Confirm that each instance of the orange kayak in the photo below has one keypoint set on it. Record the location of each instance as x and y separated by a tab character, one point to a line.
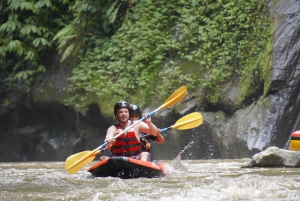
126	168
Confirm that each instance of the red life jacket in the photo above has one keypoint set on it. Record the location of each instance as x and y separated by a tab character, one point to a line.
126	145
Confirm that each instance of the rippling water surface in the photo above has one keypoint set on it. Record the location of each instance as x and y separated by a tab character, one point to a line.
188	180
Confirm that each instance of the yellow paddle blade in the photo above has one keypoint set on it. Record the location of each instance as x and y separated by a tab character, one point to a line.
77	161
189	121
175	97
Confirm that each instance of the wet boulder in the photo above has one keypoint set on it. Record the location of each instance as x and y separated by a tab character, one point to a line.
274	157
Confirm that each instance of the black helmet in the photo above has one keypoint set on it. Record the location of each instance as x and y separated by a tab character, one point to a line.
121	104
134	109
118	105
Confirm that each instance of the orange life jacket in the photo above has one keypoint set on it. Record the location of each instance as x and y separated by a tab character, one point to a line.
126	144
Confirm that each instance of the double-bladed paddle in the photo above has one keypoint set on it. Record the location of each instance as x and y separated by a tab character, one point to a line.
77	161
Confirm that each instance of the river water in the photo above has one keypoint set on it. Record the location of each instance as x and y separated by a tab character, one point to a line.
191	180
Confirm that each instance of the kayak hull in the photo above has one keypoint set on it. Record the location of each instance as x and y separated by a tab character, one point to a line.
126	168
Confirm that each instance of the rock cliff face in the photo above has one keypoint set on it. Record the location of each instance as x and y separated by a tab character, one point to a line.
40	128
271	120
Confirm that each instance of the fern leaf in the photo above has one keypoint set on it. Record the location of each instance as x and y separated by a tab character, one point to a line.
113	15
68	51
63	32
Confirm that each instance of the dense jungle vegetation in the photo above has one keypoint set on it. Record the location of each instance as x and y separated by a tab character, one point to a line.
137	50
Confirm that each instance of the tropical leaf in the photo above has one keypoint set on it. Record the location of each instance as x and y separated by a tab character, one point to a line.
40	41
22	5
10	26
14	45
41	69
42	3
28	29
63	32
24	74
3	50
30	55
113	15
68	51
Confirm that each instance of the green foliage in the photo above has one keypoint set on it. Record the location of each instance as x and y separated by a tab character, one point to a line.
26	30
86	27
225	38
139	50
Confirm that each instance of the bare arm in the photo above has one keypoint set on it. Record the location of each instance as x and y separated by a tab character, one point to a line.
110	133
148	127
160	138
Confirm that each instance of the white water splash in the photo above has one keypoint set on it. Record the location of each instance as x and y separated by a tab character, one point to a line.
177	163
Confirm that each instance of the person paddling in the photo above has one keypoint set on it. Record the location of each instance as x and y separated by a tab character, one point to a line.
128	144
135	114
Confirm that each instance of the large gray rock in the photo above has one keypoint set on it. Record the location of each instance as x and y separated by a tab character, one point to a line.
275	157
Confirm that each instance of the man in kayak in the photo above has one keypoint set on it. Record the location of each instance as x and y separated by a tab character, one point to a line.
134	115
128	144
